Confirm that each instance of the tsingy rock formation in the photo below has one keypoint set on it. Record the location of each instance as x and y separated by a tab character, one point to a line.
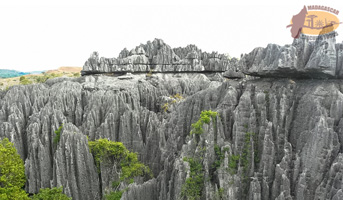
273	138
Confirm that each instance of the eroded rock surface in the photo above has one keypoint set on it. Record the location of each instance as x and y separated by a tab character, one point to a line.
286	134
303	59
157	56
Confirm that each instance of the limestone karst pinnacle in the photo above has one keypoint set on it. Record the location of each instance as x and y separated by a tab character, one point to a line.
158	57
276	136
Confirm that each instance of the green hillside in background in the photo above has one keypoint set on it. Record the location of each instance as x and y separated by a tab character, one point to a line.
7	73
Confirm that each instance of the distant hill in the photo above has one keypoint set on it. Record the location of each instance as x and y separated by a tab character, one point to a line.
65	70
9	78
10	73
35	72
7	73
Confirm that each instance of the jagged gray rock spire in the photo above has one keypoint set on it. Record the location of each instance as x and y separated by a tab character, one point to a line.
303	59
159	57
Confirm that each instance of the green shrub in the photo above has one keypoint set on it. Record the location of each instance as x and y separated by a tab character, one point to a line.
246	158
40	79
220	155
246	154
47	76
12	172
114	195
192	188
24	81
58	135
219	194
205	117
104	149
76	74
233	161
50	194
13	193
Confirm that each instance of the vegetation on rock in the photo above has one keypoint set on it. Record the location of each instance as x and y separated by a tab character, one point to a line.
57	136
104	150
220	155
175	99
192	188
233	161
114	195
50	194
12	172
205	117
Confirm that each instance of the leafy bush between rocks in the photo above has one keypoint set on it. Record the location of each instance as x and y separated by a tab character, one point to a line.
51	194
205	117
192	188
12	177
233	161
12	172
103	150
57	136
114	195
219	194
220	155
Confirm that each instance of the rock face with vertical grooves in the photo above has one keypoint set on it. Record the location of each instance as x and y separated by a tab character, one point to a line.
158	56
286	134
302	59
73	165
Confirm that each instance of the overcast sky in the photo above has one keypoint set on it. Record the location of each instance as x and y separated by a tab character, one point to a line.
41	34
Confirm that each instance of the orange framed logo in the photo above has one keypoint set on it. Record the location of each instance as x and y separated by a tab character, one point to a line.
314	20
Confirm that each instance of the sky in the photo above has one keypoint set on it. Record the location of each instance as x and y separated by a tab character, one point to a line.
41	35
